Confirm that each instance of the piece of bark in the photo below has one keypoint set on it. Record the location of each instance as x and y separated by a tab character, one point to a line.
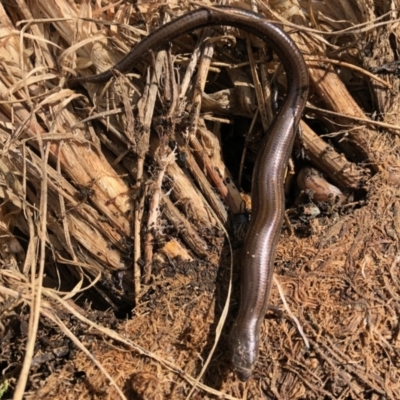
343	172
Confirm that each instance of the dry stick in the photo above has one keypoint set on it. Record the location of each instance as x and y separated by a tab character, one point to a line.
37	284
257	86
22	52
87	166
82	217
163	160
46	53
171	92
129	128
191	67
221	179
200	178
153	215
242	97
198	150
182	184
30	260
231	198
357	28
80	164
336	96
291	315
143	150
191	164
93	245
138	201
265	84
217	170
18	197
11	51
261	90
342	172
187	232
187	194
64	218
364	120
311	60
138	215
200	83
246	144
273	380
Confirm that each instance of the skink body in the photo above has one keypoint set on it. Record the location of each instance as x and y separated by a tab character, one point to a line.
268	176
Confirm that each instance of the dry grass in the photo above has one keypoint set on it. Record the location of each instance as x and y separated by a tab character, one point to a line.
117	195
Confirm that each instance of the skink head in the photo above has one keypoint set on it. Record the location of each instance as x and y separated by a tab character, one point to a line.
244	353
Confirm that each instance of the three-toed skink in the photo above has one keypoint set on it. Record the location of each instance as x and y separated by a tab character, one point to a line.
268	199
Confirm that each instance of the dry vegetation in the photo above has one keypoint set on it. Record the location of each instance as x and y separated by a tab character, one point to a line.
114	197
